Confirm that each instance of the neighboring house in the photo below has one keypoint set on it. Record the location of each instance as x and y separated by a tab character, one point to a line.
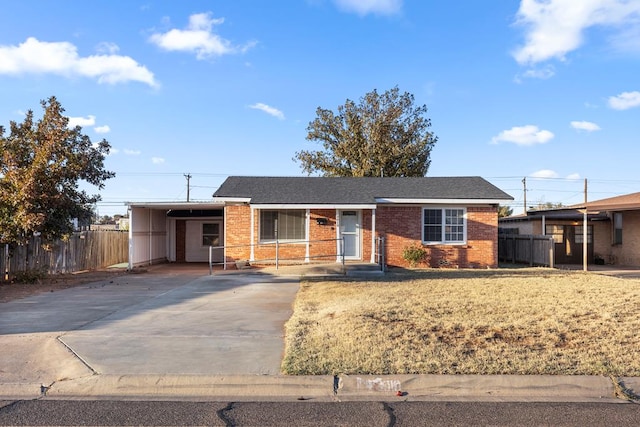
454	219
613	230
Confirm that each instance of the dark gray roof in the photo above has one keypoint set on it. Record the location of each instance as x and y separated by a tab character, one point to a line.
324	190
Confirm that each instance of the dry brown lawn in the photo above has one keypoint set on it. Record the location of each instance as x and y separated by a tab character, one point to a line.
506	321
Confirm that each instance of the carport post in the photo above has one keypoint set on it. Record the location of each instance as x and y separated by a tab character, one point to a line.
210	260
277	252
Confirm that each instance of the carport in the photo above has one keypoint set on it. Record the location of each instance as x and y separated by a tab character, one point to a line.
174	232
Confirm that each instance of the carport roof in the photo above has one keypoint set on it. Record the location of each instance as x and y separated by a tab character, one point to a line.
176	205
358	191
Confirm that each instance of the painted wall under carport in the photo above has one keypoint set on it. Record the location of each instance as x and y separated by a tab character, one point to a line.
147	236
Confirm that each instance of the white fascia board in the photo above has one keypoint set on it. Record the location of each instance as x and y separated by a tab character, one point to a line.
382	200
310	206
175	205
232	199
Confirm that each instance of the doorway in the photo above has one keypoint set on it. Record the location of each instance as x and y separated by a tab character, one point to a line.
350	233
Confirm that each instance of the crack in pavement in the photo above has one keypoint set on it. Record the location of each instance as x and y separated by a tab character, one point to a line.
222	414
392	417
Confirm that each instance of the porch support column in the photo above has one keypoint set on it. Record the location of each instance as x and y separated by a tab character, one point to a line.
150	237
251	233
308	226
338	244
373	235
130	232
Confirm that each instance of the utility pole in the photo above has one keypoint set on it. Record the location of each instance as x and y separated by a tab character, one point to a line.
188	176
524	183
585	246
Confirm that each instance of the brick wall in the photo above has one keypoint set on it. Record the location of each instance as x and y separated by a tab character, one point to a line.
238	232
323	251
237	221
402	227
365	238
628	253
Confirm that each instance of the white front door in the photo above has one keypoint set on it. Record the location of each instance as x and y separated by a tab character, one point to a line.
350	233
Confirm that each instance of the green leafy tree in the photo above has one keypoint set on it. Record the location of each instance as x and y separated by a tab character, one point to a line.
41	165
381	135
543	206
504	211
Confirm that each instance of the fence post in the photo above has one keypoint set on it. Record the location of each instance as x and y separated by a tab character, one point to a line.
210	260
531	251
277	253
552	254
342	250
6	262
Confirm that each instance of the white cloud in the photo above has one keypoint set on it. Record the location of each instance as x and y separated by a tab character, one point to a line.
586	126
627	40
625	100
543	73
129	152
61	58
573	176
364	7
81	121
268	109
556	27
523	135
113	151
157	160
108	48
102	129
198	38
544	173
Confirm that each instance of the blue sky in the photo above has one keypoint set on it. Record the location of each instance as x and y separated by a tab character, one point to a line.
546	90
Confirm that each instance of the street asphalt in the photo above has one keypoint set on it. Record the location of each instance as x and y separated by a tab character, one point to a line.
180	334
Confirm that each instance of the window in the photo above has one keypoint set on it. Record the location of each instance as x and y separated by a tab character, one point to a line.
617	228
211	234
283	225
444	225
579	235
556	231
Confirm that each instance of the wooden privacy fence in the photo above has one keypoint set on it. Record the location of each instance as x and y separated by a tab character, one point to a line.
526	249
86	250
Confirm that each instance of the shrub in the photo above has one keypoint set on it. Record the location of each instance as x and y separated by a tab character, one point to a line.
30	276
414	255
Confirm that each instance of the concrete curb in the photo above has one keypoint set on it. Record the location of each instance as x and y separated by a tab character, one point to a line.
511	388
514	388
183	387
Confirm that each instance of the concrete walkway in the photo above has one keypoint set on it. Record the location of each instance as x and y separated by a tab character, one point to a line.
182	334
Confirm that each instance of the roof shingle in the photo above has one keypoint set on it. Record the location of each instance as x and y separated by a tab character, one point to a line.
343	190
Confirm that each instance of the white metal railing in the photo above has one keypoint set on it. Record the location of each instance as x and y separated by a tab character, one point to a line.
379	255
339	252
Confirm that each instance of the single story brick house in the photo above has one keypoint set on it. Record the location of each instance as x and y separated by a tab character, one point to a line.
613	230
320	219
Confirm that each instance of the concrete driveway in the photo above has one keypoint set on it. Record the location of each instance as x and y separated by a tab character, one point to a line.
161	322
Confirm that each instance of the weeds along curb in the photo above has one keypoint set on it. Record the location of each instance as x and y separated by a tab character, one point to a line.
622	392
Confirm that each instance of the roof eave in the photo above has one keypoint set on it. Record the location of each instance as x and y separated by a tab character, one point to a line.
393	200
312	206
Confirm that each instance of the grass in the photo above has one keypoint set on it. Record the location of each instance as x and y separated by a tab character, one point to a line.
511	321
